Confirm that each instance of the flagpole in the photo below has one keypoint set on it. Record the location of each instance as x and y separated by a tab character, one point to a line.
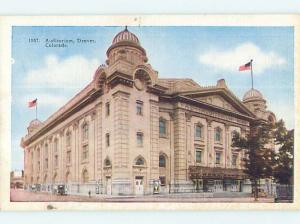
36	110
251	74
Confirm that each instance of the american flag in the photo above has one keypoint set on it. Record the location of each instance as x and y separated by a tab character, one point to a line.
32	103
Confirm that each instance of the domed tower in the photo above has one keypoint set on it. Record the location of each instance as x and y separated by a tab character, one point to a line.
126	51
33	125
256	103
254	100
126	63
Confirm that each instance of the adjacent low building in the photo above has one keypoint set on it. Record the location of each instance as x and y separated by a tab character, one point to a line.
128	131
17	179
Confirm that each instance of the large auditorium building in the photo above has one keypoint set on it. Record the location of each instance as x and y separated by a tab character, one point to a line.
129	131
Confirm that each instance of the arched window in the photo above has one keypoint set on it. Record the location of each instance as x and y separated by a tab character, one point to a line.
85	131
162	161
107	162
162	127
68	139
85	176
140	161
139	139
218	134
198	131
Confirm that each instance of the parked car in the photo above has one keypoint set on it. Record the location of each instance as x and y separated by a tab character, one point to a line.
61	189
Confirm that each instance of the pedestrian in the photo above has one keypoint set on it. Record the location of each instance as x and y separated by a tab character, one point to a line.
90	193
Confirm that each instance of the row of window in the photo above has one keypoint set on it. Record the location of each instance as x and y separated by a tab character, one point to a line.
141	162
198	131
139	108
218	157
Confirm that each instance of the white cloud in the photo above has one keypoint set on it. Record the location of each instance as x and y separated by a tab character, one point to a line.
75	71
57	81
231	59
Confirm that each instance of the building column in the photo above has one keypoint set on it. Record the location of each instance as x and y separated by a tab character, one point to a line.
210	141
189	144
227	148
121	180
75	151
154	143
99	145
60	157
180	145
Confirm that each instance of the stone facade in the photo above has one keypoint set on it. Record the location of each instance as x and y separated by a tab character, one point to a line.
128	131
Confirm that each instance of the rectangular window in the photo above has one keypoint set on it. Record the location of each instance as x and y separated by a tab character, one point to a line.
56	161
69	157
198	130
55	146
234	160
107	140
85	152
139	139
162	180
162	128
198	155
139	107
218	158
107	109
68	140
85	132
46	150
46	163
218	135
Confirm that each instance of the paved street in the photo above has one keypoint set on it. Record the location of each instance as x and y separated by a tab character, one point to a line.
18	195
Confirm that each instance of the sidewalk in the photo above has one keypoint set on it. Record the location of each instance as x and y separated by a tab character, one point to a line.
21	195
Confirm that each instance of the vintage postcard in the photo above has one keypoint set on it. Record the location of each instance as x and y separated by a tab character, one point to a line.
149	112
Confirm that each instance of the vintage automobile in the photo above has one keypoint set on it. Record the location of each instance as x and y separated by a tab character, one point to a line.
33	188
62	189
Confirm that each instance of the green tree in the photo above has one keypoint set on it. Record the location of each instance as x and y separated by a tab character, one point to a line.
283	170
259	158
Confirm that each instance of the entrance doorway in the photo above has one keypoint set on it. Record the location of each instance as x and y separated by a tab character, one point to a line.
108	185
218	185
139	187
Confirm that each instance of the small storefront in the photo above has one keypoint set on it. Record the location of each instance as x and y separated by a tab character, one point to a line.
216	179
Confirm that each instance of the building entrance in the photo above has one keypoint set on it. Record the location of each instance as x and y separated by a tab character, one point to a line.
139	187
108	185
218	186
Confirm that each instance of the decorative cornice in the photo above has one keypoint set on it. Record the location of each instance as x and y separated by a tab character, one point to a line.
156	89
121	93
120	78
211	107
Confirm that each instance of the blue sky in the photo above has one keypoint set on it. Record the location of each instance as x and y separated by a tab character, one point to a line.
205	54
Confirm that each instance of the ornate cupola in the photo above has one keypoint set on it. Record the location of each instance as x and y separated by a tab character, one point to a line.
126	47
33	125
256	103
126	63
254	100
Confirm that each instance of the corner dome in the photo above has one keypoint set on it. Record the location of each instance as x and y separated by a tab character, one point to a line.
35	123
253	94
125	36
